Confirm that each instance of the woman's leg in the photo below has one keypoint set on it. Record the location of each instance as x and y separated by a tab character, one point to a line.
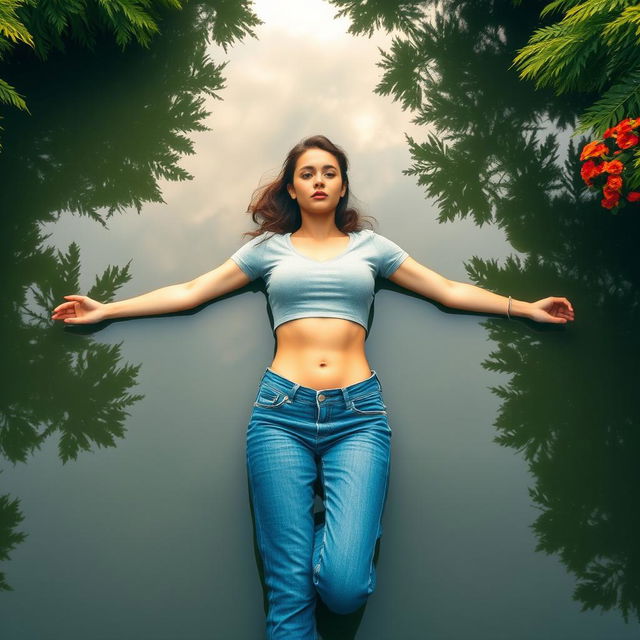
281	471
355	472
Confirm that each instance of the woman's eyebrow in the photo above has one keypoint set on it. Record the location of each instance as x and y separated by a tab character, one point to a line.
326	166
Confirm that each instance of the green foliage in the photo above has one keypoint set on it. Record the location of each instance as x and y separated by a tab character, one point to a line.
8	95
10	518
593	48
622	100
49	25
228	21
44	24
12	30
401	66
366	18
53	21
10	25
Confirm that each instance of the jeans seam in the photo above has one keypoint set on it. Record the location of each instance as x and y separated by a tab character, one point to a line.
274	389
366	395
275	405
382	508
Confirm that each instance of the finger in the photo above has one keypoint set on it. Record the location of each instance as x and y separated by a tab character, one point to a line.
74	297
66	313
64	305
566	303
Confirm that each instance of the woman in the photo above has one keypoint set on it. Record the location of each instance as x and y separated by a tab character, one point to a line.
318	419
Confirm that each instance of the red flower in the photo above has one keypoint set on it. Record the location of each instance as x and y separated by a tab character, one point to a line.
609	203
614	167
590	170
625	126
614	183
627	139
595	149
625	134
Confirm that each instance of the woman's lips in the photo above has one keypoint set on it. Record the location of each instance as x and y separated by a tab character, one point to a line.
320	196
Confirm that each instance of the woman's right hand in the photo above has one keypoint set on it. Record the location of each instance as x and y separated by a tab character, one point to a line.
79	310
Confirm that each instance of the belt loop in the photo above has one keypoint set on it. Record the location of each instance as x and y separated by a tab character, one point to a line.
345	395
375	375
293	390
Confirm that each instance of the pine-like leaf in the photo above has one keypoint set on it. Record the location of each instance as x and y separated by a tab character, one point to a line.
10	24
620	101
586	50
589	9
9	95
558	5
627	22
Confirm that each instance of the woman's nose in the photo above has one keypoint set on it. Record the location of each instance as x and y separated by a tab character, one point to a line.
318	181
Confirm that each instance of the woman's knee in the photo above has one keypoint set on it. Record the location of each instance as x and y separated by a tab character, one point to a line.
343	595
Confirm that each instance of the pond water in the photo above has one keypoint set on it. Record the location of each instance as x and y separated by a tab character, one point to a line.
512	508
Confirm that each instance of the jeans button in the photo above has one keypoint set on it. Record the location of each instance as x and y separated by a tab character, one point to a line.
321	397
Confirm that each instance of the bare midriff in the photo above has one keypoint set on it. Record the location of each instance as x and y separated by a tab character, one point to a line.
321	353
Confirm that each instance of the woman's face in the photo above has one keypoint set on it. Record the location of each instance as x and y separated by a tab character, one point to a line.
317	172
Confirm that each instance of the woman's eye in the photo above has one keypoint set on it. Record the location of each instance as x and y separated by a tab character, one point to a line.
308	175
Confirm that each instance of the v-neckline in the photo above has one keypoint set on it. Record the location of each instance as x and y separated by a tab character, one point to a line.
304	255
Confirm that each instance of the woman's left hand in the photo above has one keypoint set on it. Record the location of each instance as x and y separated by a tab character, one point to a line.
552	309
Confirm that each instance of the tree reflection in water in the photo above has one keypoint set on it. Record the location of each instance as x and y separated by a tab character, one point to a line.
492	152
104	128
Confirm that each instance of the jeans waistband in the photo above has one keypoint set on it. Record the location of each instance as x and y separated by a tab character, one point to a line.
311	396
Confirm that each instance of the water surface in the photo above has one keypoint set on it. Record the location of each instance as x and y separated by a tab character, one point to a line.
124	443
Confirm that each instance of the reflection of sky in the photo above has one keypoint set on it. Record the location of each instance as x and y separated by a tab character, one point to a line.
302	75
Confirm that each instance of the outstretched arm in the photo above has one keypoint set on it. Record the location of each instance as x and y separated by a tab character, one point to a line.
176	297
461	295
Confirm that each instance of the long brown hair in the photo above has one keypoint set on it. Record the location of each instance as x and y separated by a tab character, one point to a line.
273	209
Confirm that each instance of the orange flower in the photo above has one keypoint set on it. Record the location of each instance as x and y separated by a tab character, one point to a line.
609	203
627	139
595	149
625	126
610	133
614	166
633	196
590	170
614	182
610	194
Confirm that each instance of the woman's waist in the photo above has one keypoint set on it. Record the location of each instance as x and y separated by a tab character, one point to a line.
321	369
321	353
290	390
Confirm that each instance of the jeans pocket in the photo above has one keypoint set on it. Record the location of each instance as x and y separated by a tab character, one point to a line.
269	398
371	404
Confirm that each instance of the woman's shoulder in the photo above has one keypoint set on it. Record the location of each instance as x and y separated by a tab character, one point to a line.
263	238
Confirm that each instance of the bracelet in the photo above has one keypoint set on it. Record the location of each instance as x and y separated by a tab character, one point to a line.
509	309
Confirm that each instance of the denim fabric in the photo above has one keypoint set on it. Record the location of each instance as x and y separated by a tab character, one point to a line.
296	436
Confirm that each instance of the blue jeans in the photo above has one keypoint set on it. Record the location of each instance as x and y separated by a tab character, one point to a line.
296	436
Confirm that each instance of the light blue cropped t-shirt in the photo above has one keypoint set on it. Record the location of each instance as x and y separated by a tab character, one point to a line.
300	287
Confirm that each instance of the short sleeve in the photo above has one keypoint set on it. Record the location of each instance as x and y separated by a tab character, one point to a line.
389	255
250	257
